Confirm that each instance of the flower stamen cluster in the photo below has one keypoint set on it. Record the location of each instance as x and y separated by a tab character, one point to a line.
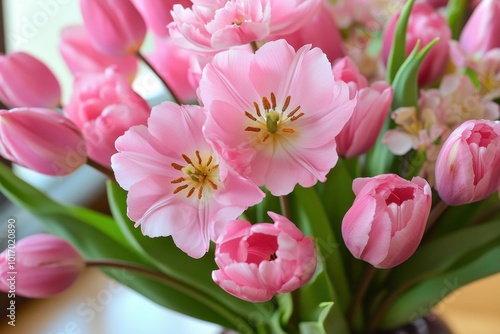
197	175
273	122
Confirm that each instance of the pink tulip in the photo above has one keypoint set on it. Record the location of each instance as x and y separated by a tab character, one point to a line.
81	56
173	64
42	140
386	222
157	15
425	24
275	121
27	82
467	167
213	26
114	26
329	40
104	106
259	261
176	183
363	128
209	27
39	266
480	33
361	131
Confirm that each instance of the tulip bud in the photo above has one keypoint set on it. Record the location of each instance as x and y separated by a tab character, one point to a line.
114	26
42	140
480	33
425	24
259	261
468	165
82	57
104	106
157	15
386	222
361	131
346	70
27	82
44	265
329	40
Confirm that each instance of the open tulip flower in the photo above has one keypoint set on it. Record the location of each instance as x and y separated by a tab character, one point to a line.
298	166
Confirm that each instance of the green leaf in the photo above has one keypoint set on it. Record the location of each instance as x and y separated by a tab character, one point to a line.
424	296
163	253
379	158
397	54
441	254
78	227
282	315
336	194
317	327
455	13
405	83
310	216
316	293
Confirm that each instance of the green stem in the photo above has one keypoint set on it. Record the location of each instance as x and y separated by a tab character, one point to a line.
180	286
106	171
285	207
436	212
356	303
148	64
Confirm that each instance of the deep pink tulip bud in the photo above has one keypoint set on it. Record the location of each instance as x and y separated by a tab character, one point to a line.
44	264
425	24
104	106
27	82
329	40
468	165
157	15
361	131
480	33
173	64
81	56
114	26
259	261
42	140
386	222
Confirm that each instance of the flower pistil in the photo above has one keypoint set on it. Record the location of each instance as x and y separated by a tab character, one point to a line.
197	175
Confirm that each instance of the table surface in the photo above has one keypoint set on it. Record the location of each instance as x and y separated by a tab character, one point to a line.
98	305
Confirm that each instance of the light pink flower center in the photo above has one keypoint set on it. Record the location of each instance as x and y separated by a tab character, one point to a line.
200	176
261	247
272	123
399	195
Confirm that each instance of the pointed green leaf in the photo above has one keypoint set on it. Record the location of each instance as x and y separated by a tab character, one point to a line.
406	81
438	256
423	297
455	13
397	54
317	327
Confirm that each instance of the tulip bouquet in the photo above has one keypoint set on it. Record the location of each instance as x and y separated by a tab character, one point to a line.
318	167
